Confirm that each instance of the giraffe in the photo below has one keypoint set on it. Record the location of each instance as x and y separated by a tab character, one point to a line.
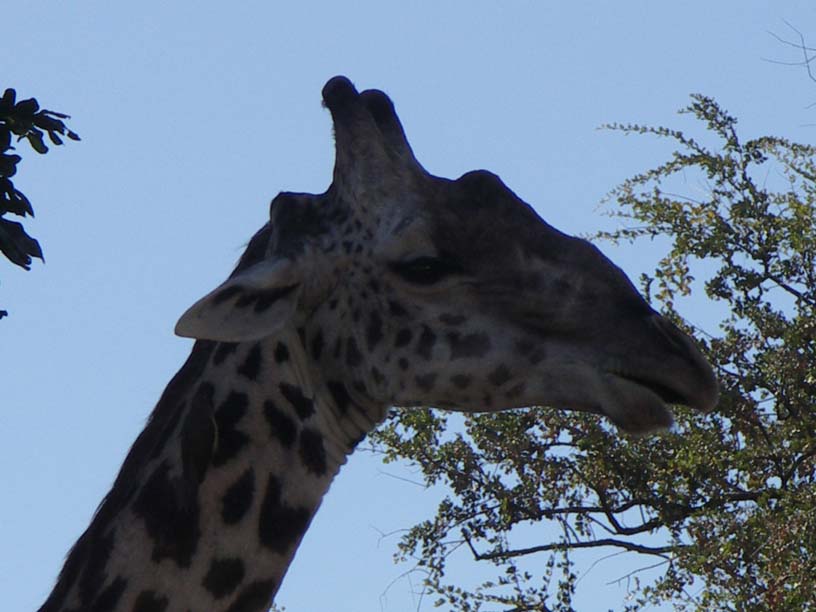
393	288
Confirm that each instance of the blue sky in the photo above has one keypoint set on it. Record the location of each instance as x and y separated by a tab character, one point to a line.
195	114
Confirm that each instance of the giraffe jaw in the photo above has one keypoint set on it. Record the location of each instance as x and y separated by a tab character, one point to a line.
638	404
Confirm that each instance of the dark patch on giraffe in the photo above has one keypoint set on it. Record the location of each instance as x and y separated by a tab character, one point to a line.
340	394
109	596
396	309
426	342
487	400
170	516
198	436
377	376
358	249
537	355
317	344
373	330
355	315
426	381
561	286
403	338
403	363
347	244
333	304
302	217
281	352
237	499
304	407
470	345
499	376
169	428
264	300
524	346
338	347
246	299
280	525
515	391
223	576
312	451
359	386
301	332
374	285
280	425
226	294
149	601
93	575
229	440
251	366
339	216
222	351
461	381
255	597
452	319
353	355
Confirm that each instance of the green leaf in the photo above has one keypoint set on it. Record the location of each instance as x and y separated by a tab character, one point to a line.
56	114
17	245
15	202
8	165
7	101
49	124
5	138
35	139
27	108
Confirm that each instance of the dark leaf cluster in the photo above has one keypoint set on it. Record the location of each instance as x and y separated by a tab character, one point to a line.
22	120
723	505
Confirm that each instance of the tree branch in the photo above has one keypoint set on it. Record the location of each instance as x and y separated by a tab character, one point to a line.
660	551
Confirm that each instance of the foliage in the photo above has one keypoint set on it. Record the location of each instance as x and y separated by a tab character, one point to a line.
723	504
25	120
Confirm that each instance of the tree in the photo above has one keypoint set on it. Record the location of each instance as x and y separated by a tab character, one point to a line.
724	503
25	120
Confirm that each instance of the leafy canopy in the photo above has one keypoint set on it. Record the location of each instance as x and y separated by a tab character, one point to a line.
27	121
723	504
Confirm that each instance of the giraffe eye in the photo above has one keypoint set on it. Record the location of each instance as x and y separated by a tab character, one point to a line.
425	270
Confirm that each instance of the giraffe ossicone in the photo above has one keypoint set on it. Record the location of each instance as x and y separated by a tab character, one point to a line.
392	288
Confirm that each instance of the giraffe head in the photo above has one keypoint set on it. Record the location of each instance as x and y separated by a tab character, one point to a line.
409	289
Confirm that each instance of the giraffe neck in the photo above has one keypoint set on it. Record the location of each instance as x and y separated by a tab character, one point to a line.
218	490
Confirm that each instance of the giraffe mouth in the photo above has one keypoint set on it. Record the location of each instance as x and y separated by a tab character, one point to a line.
639	404
664	392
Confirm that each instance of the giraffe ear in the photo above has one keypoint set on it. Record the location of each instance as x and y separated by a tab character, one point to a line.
253	304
